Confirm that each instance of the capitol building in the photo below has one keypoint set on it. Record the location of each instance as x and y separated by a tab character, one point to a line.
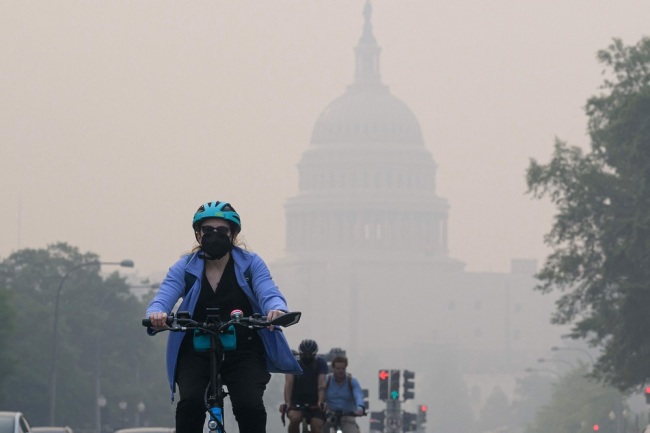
367	258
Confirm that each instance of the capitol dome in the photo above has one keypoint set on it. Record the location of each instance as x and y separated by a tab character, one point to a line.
367	115
367	112
367	183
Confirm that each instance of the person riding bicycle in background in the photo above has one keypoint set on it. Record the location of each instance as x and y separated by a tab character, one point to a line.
214	274
304	394
343	394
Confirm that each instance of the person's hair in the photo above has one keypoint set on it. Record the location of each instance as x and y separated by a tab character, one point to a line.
339	358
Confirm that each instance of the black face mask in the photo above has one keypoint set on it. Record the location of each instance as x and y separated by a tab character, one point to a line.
216	245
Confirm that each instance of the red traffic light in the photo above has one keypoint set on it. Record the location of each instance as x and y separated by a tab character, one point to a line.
383	374
647	389
423	408
596	427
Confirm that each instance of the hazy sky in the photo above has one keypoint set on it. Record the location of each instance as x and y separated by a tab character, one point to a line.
118	118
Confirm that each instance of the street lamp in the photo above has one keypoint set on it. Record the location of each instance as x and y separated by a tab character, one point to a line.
98	365
618	417
98	351
591	358
139	287
545	370
141	408
101	403
559	361
123	405
55	327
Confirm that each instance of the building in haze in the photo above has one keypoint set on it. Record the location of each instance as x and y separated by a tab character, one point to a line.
367	258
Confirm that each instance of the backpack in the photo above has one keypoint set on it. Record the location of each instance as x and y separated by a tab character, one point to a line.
328	379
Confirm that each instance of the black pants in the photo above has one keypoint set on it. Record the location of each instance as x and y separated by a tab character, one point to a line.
244	374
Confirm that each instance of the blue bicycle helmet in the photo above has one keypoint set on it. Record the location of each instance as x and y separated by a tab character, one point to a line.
217	209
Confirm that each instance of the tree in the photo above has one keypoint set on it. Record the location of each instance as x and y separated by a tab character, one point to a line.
601	233
95	314
577	404
7	359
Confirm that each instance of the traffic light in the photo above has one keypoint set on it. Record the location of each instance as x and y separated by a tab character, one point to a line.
366	404
408	385
596	427
383	384
409	421
422	416
394	384
647	394
377	420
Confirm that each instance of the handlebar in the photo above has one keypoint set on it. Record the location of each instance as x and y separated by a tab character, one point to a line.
182	322
334	416
303	407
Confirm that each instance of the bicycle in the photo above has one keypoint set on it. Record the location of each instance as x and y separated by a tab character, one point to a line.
307	414
333	420
217	336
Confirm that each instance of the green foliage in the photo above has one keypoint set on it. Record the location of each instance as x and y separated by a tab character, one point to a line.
498	415
577	403
7	359
99	336
601	233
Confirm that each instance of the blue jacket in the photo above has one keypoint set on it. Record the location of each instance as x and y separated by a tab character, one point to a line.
264	297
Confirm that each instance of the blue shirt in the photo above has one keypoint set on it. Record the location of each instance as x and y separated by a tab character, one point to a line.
338	396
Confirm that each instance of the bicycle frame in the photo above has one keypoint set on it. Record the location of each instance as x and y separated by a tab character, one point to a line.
214	400
305	422
182	322
333	421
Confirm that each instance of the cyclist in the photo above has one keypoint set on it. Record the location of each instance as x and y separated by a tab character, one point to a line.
343	395
304	394
218	273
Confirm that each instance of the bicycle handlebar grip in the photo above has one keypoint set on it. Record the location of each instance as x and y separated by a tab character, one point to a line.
147	322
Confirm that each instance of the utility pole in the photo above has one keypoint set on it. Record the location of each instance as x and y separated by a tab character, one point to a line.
393	416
